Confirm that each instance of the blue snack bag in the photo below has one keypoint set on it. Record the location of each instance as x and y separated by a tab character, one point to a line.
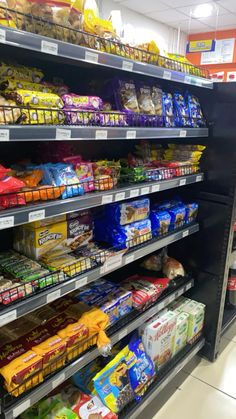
196	116
160	222
65	175
141	370
191	212
178	215
181	111
168	110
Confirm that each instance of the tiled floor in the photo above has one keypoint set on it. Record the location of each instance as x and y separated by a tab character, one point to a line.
208	393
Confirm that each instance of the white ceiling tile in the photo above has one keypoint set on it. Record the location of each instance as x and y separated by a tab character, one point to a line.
190	9
145	6
167	16
223	20
228	4
183	25
182	3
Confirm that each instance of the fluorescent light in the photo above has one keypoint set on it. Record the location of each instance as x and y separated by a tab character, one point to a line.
203	10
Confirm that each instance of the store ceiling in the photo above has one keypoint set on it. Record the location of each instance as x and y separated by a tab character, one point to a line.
177	13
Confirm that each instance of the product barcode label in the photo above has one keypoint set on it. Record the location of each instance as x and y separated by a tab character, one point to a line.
63	134
134	193
129	259
123	333
161	305
4	135
188	287
120	196
145	191
171	298
111	263
183	133
182	182
6	222
8	317
2	36
130	135
53	296
21	408
198	82
199	178
92	57
81	282
155	188
58	380
187	80
107	199
36	215
49	47
101	134
166	75
127	66
185	233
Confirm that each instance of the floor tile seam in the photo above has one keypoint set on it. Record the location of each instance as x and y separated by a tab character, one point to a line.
210	385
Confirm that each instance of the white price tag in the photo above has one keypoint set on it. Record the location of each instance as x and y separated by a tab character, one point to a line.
130	135
145	191
81	282
36	215
134	193
120	196
8	317
4	135
63	134
107	199
199	178
123	333
182	182
111	263
198	82
127	65
101	134
187	80
53	296
185	233
166	75
171	298
129	259
92	57
155	188
49	47
183	133
188	287
21	408
58	380
6	222
2	36
167	301
161	305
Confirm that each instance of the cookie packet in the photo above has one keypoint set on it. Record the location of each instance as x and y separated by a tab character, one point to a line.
128	212
168	110
160	222
145	102
196	116
181	111
125	95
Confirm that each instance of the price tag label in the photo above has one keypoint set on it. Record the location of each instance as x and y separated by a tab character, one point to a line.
171	298
111	263
81	282
107	199
92	57
155	188
130	135
134	193
53	296
49	47
127	66
36	215
199	178
182	182
178	293
129	259
120	196
183	133
198	82
166	75
161	305
185	233
2	36
60	379
101	134
187	80
21	408
4	135
63	134
8	317
6	222
188	287
167	301
123	333
145	191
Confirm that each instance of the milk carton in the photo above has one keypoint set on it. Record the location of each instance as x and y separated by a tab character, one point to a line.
178	305
181	334
159	338
196	313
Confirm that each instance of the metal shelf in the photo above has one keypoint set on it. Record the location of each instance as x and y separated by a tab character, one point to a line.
228	318
167	375
11	313
33	42
232	258
68	132
50	384
25	214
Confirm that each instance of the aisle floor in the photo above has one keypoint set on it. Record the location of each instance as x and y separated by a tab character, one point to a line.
209	391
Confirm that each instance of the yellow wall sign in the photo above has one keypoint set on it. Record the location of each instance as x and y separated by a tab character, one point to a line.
205	45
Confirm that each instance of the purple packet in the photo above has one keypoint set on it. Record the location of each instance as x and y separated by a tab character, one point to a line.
92	103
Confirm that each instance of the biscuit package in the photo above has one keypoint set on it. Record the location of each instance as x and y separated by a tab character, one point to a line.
126	97
145	102
128	212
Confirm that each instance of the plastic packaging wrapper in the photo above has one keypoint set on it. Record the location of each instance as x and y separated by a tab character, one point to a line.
93	103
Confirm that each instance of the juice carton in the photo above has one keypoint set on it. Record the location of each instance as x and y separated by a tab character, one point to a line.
181	334
196	313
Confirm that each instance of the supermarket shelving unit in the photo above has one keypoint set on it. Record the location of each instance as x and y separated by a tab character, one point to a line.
206	252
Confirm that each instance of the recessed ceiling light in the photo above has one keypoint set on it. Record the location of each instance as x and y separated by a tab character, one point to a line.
203	10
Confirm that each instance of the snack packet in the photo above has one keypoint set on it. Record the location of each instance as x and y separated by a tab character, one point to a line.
126	97
145	103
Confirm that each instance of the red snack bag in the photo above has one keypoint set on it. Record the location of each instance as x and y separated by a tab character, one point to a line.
10	184
3	172
11	200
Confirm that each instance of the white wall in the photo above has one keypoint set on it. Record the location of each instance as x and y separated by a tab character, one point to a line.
163	35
